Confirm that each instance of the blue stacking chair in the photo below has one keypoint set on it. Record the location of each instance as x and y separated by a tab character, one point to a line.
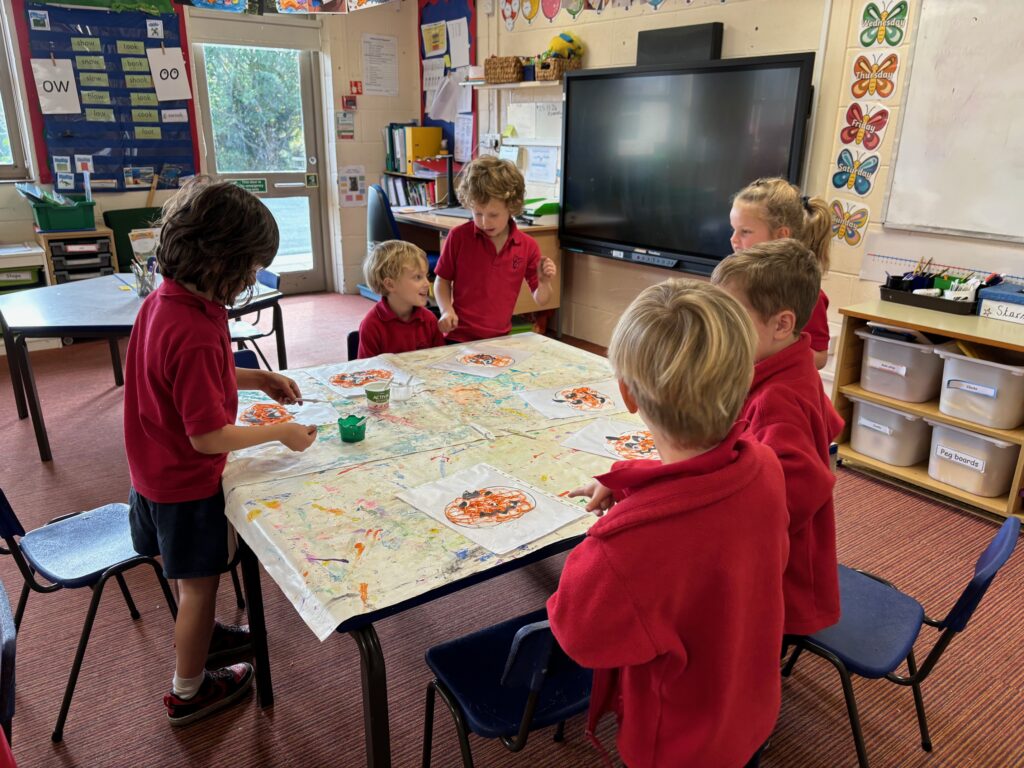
243	333
879	624
503	682
83	549
8	645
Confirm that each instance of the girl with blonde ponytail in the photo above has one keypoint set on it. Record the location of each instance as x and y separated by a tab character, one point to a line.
769	209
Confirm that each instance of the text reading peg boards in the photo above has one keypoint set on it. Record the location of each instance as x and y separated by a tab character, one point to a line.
135	117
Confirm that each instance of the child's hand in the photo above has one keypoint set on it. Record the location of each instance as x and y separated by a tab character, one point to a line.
449	321
281	388
298	437
546	270
601	499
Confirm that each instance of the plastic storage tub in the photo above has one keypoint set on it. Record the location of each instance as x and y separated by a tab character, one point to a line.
974	463
897	438
985	393
58	218
900	369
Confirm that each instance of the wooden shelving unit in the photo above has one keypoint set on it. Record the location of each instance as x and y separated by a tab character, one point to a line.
850	350
515	86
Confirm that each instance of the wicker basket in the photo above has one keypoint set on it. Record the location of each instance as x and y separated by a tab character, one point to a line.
503	69
553	69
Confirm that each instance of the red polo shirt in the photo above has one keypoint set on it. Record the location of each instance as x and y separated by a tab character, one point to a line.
674	599
485	283
817	325
179	381
789	412
384	331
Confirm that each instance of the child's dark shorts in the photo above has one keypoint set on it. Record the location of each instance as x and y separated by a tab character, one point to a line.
193	538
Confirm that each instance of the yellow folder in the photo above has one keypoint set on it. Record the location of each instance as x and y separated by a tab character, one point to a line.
421	142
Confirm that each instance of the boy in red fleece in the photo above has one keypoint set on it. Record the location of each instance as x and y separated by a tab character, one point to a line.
778	283
674	599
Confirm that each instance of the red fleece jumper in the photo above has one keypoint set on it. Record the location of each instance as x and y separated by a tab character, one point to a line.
674	599
789	412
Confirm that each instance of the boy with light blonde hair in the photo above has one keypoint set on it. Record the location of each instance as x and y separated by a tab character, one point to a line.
400	321
778	283
484	261
674	599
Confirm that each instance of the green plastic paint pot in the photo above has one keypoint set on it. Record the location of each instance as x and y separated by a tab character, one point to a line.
352	428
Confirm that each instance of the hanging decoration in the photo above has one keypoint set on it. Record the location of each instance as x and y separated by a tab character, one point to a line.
529	10
509	11
550	8
885	27
573	7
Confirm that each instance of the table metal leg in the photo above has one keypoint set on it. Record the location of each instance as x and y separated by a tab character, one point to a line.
282	354
32	395
257	624
375	698
11	350
115	359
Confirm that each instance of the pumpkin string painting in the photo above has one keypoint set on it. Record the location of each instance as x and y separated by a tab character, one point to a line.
358	379
636	444
581	398
261	414
485	507
485	360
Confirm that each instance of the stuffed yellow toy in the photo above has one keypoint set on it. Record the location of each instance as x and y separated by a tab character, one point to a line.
564	46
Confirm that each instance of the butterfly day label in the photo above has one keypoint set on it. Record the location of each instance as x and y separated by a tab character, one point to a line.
849	220
864	124
884	23
855	171
874	75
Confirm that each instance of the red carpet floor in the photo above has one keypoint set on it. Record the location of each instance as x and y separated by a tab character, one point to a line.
117	719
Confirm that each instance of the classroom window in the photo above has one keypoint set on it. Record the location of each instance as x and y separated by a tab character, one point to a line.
12	155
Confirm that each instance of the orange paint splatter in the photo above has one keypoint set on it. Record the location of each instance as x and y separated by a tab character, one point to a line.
360	547
564	493
253	514
332	510
272	504
364	590
374	533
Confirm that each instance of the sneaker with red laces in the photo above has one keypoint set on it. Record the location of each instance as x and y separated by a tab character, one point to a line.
219	688
230	642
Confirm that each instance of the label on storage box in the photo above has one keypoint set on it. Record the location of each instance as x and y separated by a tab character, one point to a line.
963	459
1002	310
970	386
874	425
10	277
885	365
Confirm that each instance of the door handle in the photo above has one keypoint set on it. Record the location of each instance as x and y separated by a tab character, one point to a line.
289	184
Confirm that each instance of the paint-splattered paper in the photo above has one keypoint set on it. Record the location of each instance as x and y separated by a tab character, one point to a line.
614	439
350	379
492	508
484	360
256	409
576	400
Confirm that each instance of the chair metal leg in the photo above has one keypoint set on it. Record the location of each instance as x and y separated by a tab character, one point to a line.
788	669
282	352
922	721
560	732
76	667
428	725
259	352
239	600
460	723
851	708
376	726
19	613
115	361
127	595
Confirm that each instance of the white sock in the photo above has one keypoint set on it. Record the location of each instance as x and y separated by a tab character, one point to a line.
187	687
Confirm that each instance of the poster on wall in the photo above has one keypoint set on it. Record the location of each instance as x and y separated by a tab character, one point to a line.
380	65
55	83
849	220
884	23
855	174
352	186
874	76
865	124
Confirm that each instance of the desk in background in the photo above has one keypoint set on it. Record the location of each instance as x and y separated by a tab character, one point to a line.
428	230
100	308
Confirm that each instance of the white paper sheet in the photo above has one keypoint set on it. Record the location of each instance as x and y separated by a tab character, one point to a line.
458	42
380	65
445	104
55	84
548	116
492	508
524	117
614	439
484	360
543	165
349	379
433	74
465	91
167	66
464	138
577	400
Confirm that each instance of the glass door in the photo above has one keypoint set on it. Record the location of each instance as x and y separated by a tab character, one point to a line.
261	131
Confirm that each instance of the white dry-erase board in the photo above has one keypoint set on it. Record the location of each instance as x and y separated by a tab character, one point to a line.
959	164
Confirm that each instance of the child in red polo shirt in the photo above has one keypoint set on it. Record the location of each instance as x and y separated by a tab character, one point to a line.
674	598
769	209
400	321
778	283
484	262
180	404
